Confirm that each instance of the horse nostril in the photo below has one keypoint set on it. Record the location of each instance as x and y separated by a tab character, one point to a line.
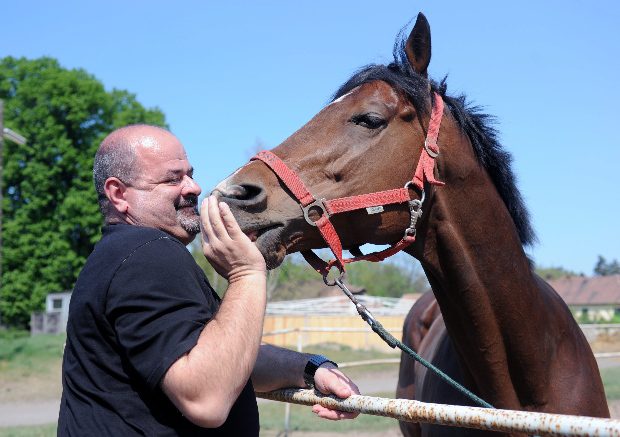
242	192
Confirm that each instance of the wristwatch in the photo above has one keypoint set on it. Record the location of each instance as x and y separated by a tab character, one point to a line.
313	363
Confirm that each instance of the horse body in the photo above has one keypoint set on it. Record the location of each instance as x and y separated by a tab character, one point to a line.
502	332
517	343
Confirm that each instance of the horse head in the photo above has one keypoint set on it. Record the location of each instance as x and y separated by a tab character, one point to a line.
368	139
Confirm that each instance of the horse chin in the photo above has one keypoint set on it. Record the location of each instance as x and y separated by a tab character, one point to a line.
272	247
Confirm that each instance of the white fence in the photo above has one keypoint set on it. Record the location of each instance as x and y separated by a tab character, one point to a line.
456	415
451	415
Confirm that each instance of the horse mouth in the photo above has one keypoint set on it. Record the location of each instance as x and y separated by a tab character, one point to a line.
274	242
255	234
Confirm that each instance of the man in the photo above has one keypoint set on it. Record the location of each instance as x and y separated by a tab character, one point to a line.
150	348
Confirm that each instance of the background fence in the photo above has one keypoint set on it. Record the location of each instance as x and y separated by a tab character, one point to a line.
298	331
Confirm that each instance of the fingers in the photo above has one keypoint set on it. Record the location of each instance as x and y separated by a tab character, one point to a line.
326	413
335	388
205	223
215	218
220	222
332	381
230	224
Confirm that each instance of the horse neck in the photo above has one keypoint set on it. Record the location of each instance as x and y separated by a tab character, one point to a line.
481	277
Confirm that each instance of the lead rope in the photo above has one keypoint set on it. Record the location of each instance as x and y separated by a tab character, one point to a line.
393	342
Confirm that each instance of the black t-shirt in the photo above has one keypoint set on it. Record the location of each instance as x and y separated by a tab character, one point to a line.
140	303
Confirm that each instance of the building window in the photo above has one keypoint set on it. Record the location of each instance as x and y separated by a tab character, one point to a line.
57	304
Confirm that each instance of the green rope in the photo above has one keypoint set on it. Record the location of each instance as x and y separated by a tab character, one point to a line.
393	342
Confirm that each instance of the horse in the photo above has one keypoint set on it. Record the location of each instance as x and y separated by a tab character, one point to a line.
491	323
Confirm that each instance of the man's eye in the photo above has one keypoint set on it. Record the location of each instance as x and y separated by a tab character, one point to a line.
369	121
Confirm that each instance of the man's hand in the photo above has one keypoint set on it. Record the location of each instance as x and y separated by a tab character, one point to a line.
331	381
227	248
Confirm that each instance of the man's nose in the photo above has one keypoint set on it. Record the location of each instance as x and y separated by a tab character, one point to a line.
190	186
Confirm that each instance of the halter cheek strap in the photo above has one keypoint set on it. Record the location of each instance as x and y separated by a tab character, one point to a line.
423	172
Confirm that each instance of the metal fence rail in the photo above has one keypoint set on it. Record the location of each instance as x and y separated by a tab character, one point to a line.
339	305
323	329
455	415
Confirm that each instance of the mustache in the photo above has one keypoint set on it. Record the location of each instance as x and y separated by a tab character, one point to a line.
190	200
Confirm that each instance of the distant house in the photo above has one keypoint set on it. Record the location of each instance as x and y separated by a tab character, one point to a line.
593	299
54	319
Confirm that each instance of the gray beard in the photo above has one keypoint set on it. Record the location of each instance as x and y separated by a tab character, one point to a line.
191	224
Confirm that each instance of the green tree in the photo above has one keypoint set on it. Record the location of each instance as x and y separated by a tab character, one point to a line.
549	273
50	215
387	279
402	274
604	268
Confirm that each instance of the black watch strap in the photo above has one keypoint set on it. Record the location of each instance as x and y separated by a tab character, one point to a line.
313	364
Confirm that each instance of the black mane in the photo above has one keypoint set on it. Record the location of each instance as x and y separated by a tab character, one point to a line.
476	125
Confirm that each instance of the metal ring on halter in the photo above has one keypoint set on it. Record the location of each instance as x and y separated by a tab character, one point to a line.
415	206
410	232
337	280
320	203
410	185
430	152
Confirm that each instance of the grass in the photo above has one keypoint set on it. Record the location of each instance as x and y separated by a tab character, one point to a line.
271	418
611	381
19	350
30	369
30	366
29	431
342	354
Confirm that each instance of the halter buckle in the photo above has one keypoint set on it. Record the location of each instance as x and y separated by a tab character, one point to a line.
430	151
320	204
411	186
415	211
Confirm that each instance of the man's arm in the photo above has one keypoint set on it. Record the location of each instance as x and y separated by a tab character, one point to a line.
280	368
205	382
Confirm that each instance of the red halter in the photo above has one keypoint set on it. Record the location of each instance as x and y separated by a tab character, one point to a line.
424	171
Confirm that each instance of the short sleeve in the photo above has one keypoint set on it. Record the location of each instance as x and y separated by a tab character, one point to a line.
157	306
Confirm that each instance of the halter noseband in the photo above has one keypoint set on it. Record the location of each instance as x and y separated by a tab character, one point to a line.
373	202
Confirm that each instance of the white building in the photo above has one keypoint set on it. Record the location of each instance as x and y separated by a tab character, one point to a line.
54	319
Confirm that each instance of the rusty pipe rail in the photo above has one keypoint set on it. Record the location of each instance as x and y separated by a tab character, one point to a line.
456	415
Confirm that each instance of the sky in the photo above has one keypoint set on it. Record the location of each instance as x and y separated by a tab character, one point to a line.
230	76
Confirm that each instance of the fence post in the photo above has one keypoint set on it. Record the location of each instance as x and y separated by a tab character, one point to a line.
287	407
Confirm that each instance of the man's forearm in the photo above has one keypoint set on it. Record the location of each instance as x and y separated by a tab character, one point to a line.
277	367
213	373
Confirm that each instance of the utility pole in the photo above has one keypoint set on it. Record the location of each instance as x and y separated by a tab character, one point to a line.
7	133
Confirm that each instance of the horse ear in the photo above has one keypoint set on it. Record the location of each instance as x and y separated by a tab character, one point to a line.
418	45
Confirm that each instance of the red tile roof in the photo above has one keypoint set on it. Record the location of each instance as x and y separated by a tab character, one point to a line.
581	290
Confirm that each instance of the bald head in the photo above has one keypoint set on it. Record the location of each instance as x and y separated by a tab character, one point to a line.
116	156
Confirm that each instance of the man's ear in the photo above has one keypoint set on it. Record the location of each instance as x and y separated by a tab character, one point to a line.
116	192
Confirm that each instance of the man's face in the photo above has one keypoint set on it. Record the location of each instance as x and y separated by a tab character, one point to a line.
163	194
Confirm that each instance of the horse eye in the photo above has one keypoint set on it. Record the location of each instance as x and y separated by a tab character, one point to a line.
369	121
